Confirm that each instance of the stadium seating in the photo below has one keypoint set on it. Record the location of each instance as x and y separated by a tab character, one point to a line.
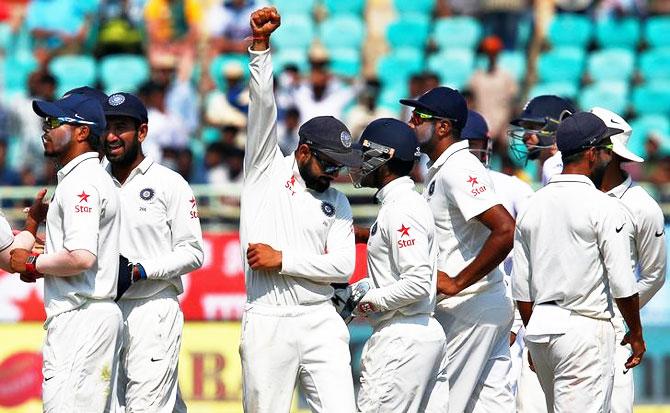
72	71
558	88
337	7
572	30
123	72
620	33
455	67
16	70
345	62
457	32
297	33
5	36
395	67
220	62
609	95
513	61
644	125
343	30
655	65
652	100
564	64
611	64
409	31
408	7
656	31
294	7
297	57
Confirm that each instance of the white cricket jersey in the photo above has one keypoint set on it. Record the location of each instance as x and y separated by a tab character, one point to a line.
402	253
83	215
314	231
513	192
160	228
552	166
6	234
569	245
459	189
647	237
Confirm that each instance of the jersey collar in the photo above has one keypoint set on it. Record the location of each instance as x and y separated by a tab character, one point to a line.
396	186
455	147
618	191
69	167
571	178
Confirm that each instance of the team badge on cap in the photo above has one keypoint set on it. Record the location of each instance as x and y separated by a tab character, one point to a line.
328	208
146	193
116	100
345	138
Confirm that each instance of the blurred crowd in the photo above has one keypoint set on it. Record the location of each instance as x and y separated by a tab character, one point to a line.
198	100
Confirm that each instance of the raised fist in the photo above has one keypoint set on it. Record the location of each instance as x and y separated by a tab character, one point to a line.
264	21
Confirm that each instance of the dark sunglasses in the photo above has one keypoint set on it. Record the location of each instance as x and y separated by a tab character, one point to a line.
53	123
328	167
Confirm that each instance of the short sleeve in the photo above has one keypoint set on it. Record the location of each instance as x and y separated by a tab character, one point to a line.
470	188
6	235
82	206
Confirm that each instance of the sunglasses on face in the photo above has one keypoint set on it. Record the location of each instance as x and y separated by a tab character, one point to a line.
328	167
419	117
53	123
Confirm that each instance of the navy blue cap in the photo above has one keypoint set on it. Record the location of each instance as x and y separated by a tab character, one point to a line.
543	107
476	127
442	102
581	131
75	108
393	134
330	136
126	104
88	91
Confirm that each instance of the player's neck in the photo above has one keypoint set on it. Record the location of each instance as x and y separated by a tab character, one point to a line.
121	171
613	177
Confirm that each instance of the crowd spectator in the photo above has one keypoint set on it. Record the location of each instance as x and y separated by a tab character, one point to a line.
228	25
172	27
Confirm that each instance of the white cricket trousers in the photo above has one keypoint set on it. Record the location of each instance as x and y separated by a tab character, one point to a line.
284	344
623	393
404	367
529	395
576	369
148	379
81	353
477	331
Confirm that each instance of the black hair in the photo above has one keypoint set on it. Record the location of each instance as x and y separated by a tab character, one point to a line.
399	167
93	140
574	157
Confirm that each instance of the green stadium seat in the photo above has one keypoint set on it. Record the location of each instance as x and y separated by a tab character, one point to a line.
219	63
16	70
390	96
656	31
345	62
644	125
6	36
611	64
609	95
620	33
397	66
565	89
337	7
407	7
409	31
296	32
457	32
571	30
655	64
454	67
652	100
297	57
564	64
513	61
290	7
343	30
123	72
72	71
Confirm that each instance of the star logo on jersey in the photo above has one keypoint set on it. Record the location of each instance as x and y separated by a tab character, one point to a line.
192	201
473	181
83	197
404	231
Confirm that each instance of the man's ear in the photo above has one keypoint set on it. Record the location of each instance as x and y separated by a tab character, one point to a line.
302	152
142	132
444	128
82	133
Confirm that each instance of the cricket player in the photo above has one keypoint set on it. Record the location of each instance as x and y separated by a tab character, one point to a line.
161	240
647	242
80	263
297	238
514	194
572	232
404	362
533	136
474	234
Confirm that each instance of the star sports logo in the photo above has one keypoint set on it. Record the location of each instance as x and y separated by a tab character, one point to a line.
404	231
194	210
473	180
83	197
475	190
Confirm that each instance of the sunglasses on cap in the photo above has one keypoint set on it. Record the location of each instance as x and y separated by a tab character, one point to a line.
53	123
420	117
328	167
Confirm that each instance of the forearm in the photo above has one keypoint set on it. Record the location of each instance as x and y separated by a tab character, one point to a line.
525	310
630	310
65	263
181	261
402	293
